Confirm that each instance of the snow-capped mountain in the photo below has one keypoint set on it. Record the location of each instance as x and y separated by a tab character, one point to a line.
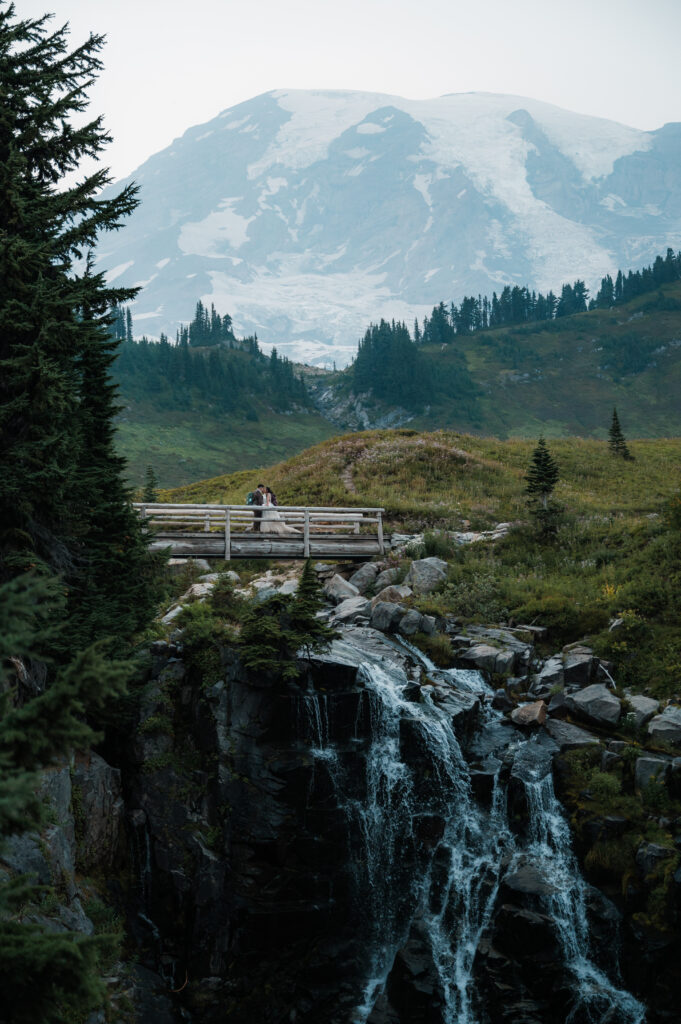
306	214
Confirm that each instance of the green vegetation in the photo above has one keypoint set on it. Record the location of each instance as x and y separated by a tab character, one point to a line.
197	443
74	566
591	795
615	555
208	402
526	371
277	630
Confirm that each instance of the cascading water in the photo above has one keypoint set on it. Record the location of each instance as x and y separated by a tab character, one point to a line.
415	770
550	849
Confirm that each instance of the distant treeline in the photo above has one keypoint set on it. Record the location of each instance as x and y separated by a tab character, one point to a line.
206	363
392	364
394	369
516	305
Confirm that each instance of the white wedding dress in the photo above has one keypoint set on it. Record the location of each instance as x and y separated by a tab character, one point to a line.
272	522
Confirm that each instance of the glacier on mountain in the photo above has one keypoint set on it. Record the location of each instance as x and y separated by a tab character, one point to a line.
306	214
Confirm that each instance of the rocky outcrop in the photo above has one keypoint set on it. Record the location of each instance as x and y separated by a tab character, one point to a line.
426	575
596	705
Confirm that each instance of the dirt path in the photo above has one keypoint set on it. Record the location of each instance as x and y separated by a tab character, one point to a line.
346	478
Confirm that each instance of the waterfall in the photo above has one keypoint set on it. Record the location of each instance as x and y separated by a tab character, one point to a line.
550	849
414	769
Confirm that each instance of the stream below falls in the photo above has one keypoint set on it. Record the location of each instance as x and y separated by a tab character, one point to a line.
429	859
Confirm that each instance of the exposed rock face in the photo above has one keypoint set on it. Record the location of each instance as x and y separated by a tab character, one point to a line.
392	593
365	576
386	615
530	714
597	705
350	608
426	574
338	589
569	737
649	768
642	708
667	726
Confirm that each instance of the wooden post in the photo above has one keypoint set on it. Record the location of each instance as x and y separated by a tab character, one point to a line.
206	525
306	534
380	533
228	539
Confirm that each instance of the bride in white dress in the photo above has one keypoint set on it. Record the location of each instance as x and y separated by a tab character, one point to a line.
271	519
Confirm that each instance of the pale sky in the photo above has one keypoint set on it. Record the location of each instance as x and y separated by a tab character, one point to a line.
171	64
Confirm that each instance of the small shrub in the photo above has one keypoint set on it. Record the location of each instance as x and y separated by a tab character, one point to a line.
439	545
605	785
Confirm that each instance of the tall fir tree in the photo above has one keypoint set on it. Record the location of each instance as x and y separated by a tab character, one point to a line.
616	439
541	479
150	492
314	634
62	500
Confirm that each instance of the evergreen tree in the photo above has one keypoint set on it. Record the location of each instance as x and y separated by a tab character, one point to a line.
128	324
47	977
541	478
616	440
150	492
62	501
313	633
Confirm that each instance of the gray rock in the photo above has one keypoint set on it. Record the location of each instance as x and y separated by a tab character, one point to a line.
578	667
649	855
642	708
550	675
648	768
348	610
264	594
667	726
386	616
426	574
596	704
428	624
501	700
385	578
201	565
567	736
505	662
55	788
395	593
24	855
59	853
480	656
287	588
365	576
337	589
558	705
529	714
98	791
609	759
410	623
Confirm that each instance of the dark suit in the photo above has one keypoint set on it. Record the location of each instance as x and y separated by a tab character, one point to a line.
258	499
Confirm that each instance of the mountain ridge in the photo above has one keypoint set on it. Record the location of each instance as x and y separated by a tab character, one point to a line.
309	213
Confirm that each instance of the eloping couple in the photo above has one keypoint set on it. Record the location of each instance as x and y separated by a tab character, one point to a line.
268	520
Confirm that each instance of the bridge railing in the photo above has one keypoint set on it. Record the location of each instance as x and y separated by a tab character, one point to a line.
301	523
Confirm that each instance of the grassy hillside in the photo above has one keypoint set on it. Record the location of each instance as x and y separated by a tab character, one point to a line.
617	554
185	445
559	377
444	477
563	377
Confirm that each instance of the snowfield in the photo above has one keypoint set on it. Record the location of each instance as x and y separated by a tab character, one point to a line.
306	214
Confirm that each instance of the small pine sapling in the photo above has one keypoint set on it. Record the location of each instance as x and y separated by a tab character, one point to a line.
616	440
541	479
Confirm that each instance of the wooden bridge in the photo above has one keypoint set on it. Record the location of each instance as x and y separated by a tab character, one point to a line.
248	531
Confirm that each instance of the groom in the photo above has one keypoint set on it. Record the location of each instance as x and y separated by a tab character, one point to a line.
258	499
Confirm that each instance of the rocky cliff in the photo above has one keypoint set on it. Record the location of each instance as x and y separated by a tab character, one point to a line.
379	840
